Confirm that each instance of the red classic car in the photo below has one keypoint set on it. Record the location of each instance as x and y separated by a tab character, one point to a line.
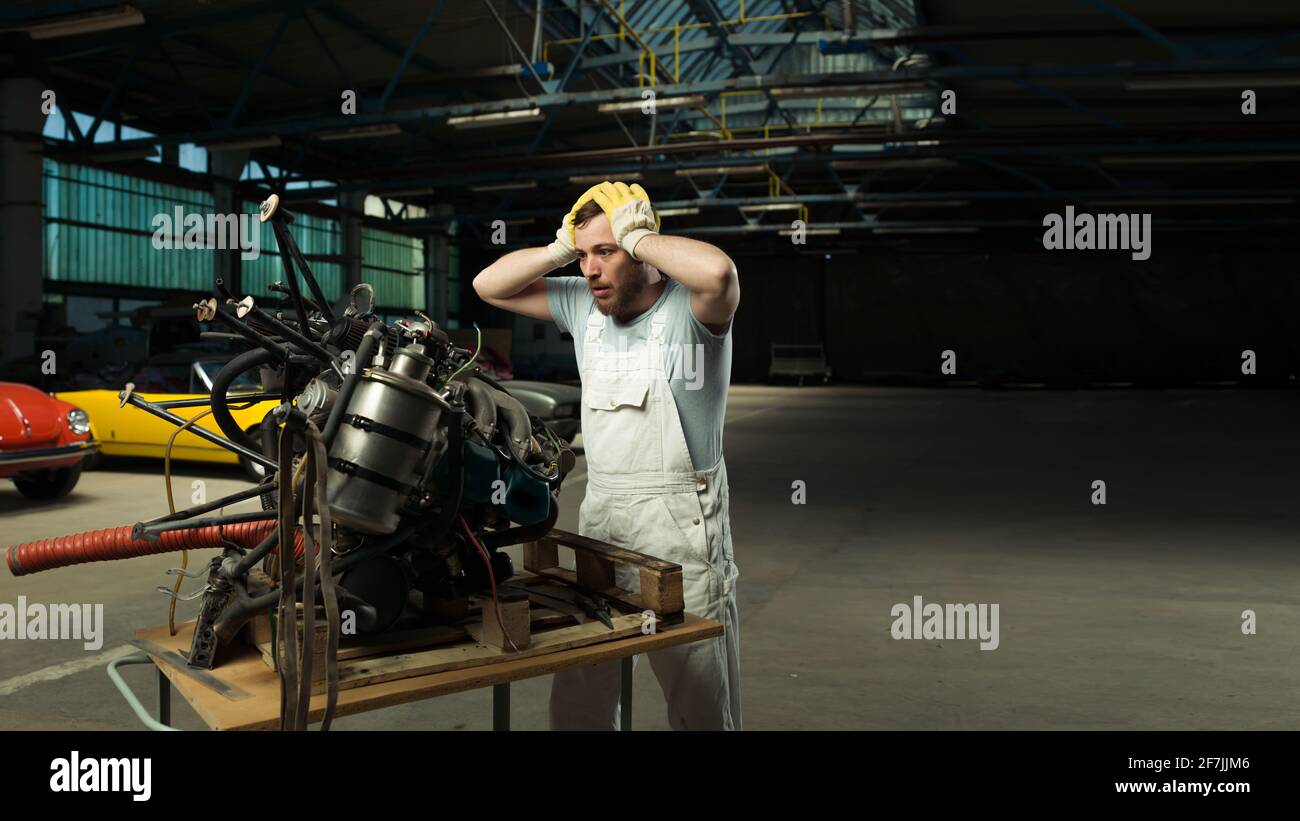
43	441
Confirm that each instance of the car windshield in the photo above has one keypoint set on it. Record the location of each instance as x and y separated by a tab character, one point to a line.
246	383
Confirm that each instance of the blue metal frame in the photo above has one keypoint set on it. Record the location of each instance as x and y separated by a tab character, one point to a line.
410	50
238	109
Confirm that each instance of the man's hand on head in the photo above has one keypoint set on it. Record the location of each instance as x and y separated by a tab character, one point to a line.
631	216
564	249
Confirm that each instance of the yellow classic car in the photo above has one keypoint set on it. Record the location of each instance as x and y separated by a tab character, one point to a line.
129	431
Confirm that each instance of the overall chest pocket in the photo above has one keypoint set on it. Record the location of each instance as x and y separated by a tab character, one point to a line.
621	427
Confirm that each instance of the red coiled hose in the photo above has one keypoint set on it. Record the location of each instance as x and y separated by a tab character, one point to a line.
116	543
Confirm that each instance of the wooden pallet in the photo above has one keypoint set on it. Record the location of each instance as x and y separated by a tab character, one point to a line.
535	624
595	561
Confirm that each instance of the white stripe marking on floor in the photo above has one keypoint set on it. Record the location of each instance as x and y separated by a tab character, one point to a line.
58	671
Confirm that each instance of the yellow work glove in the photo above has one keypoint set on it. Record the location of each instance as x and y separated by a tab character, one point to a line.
631	217
563	250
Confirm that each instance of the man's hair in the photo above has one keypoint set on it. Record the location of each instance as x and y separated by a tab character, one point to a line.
589	211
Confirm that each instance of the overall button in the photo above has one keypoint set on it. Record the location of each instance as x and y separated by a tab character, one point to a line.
611	403
696	520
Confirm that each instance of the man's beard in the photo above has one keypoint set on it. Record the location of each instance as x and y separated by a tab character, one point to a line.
619	305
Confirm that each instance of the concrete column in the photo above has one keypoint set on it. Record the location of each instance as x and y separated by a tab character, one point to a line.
353	204
22	245
226	167
437	264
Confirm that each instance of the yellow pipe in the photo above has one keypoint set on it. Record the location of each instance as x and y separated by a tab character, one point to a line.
636	38
624	26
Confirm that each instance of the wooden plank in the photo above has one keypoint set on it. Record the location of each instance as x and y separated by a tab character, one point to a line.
356	647
179	663
361	646
378	669
618	554
662	592
541	554
661	581
261	711
374	671
507	625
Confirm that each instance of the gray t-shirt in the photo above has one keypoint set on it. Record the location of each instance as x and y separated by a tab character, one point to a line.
696	360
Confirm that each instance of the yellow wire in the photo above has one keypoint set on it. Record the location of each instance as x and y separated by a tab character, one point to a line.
171	506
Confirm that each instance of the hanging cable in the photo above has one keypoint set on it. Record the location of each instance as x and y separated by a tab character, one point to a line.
478	346
492	579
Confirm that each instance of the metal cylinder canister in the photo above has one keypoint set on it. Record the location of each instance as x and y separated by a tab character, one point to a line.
383	443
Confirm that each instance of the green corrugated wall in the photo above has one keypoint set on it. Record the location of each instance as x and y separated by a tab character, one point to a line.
99	227
386	260
88	252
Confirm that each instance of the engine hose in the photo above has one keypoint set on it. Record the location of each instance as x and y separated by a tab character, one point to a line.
550	481
116	543
517	423
221	384
482	407
490	381
364	351
513	418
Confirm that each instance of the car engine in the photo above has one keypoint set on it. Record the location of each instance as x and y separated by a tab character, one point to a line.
395	473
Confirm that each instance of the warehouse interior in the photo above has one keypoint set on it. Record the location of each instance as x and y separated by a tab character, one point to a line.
880	172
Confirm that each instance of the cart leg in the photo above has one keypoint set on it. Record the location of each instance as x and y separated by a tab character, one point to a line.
501	706
164	698
625	703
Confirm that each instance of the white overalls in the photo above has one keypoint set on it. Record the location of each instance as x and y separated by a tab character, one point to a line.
644	494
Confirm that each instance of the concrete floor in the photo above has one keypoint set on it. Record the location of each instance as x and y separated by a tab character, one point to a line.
1123	616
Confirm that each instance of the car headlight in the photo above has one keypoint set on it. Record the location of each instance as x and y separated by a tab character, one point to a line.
79	421
565	411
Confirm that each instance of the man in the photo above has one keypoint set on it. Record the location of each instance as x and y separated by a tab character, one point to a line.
654	353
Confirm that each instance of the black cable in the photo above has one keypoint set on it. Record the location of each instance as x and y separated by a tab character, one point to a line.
221	384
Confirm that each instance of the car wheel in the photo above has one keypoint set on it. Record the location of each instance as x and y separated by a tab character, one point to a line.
48	484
